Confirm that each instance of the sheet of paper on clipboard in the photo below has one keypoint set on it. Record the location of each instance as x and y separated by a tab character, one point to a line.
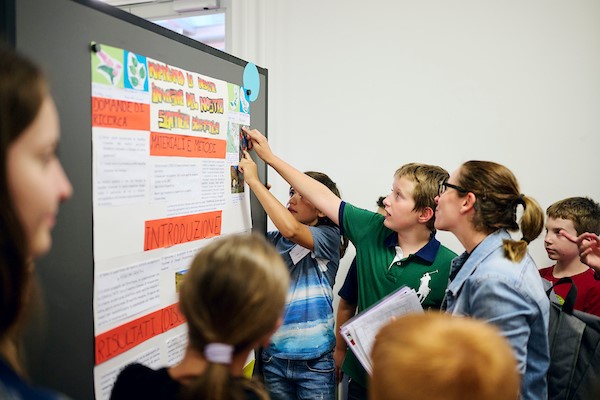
360	331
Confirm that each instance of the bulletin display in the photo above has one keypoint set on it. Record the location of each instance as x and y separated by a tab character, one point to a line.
166	147
150	139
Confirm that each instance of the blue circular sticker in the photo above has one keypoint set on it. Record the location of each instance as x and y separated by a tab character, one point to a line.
251	81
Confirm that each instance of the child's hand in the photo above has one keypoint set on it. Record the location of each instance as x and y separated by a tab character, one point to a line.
589	248
259	143
248	167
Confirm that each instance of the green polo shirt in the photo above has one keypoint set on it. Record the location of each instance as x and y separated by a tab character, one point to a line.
377	276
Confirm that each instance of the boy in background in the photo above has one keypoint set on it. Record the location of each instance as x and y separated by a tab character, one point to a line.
395	250
574	215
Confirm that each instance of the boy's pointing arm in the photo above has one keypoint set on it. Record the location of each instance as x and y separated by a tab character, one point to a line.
317	193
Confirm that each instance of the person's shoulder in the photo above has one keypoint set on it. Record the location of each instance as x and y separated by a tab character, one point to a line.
12	387
140	373
496	266
546	272
356	218
137	370
522	276
326	229
588	278
137	379
352	211
273	236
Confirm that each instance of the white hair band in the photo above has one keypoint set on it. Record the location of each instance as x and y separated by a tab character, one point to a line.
219	353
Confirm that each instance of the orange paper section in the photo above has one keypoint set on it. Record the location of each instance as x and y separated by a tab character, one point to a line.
125	337
120	114
167	232
166	144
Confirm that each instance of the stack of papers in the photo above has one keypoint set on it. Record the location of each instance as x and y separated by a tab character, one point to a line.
360	331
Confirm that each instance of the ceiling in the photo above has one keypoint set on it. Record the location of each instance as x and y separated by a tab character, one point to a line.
201	20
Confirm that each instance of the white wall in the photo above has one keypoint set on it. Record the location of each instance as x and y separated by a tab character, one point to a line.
357	89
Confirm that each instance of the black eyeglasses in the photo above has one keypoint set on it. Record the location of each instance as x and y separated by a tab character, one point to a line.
445	185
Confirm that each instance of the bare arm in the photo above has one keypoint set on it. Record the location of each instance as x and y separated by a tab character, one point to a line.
317	193
345	311
285	222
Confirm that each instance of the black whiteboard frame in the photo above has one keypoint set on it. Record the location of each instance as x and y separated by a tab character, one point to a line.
56	34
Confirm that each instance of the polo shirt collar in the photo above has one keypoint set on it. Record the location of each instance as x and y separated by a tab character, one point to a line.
426	253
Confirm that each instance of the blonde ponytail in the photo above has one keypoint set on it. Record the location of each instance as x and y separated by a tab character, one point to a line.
232	296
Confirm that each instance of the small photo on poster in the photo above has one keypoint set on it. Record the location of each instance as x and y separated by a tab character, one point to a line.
243	141
179	276
237	179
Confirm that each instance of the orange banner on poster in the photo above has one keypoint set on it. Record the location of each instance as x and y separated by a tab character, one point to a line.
125	337
120	114
166	144
167	232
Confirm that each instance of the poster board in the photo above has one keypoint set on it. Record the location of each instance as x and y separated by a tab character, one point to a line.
61	349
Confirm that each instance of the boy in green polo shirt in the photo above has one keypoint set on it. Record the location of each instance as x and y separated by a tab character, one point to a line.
398	249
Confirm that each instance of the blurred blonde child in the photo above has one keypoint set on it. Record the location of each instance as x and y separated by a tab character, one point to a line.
436	356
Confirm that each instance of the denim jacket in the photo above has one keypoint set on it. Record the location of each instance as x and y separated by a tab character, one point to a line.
511	296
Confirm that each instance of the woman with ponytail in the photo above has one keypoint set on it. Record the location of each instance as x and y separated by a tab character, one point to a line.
495	279
233	297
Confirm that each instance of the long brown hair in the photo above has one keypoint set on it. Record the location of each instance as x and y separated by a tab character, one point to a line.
234	293
331	185
498	196
22	92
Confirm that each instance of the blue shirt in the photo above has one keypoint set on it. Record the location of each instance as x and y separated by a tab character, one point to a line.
511	296
13	387
307	330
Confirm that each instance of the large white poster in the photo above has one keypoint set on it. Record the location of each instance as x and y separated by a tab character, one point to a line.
166	145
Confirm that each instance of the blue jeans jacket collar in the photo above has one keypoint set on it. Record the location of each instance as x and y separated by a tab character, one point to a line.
467	264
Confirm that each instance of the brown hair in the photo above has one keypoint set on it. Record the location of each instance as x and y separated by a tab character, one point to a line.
331	185
498	196
22	92
443	358
234	293
426	179
582	211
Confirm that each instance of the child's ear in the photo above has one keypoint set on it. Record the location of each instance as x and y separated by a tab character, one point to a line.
425	215
320	214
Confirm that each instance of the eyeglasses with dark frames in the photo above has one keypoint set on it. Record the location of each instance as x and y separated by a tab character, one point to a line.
444	185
